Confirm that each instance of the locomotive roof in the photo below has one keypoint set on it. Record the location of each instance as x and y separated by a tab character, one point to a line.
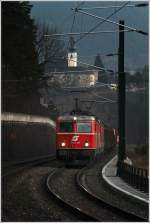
75	117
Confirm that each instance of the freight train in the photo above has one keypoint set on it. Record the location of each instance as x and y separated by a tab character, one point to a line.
82	137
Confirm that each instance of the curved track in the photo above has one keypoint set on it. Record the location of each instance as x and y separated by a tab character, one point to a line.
83	185
25	197
83	215
19	166
63	185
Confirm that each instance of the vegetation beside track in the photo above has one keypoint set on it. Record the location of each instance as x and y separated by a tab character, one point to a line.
139	155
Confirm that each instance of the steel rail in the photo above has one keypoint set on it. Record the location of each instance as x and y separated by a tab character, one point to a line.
84	187
81	213
21	165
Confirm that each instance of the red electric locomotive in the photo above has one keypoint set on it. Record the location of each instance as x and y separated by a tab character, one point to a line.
81	137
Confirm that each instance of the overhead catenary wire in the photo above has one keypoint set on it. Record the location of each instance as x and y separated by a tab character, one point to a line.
74	16
90	33
100	23
86	89
73	22
103	97
127	30
66	72
106	99
78	71
99	101
87	64
91	65
97	67
113	22
112	6
94	55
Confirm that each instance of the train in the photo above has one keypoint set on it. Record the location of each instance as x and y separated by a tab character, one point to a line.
83	137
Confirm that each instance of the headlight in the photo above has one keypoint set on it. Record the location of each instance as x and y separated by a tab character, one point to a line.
86	144
63	144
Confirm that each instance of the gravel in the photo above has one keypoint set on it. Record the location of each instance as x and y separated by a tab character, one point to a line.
25	198
71	194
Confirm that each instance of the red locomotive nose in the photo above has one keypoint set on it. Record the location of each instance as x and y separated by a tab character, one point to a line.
83	137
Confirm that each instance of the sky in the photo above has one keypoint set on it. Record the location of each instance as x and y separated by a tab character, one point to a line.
60	15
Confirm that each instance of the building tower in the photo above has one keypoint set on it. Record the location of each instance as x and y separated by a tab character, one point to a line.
72	54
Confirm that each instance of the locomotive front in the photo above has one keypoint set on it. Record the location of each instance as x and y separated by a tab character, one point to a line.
76	137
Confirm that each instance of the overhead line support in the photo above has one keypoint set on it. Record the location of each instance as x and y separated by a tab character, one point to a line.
121	98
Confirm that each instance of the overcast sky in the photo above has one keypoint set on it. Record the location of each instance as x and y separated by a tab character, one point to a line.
60	15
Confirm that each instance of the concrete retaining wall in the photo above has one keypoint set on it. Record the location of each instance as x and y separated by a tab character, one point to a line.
26	137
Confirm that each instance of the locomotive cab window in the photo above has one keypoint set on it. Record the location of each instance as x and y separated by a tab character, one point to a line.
66	127
84	127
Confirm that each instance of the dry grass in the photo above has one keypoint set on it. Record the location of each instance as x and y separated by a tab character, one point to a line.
139	155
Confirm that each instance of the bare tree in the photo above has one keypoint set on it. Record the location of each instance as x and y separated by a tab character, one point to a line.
51	50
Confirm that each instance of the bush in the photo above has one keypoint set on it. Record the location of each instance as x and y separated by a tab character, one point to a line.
141	149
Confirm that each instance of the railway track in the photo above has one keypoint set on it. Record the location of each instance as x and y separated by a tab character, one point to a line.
15	167
25	198
83	185
64	185
85	216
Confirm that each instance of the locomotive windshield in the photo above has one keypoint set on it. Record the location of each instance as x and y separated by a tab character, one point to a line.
66	127
84	127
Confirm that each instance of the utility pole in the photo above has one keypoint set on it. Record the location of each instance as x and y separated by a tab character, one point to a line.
121	96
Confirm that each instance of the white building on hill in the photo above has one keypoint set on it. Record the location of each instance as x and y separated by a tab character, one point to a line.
73	75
